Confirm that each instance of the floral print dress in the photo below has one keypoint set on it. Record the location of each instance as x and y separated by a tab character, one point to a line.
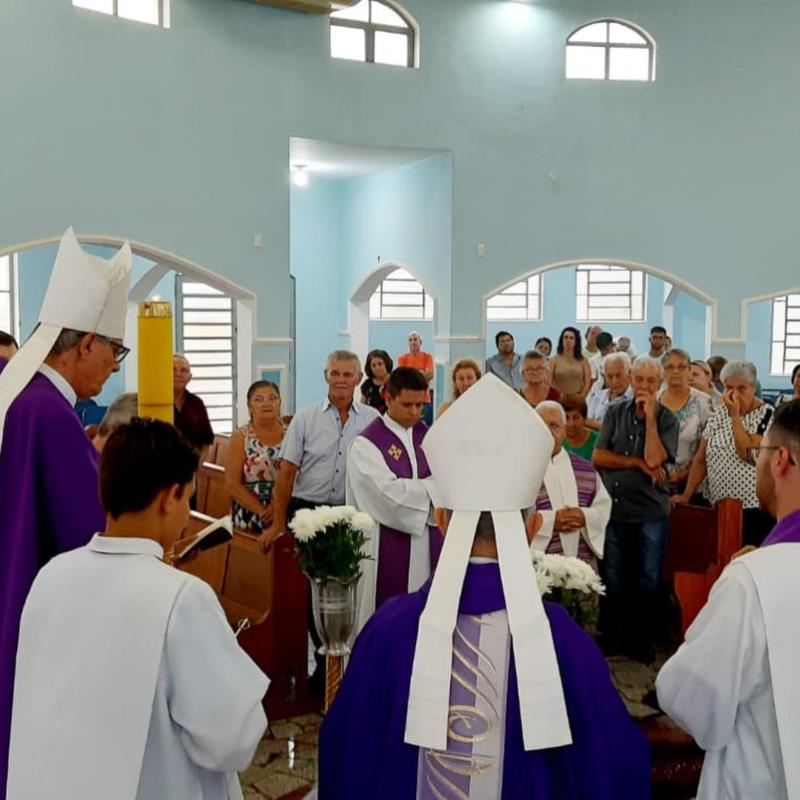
259	473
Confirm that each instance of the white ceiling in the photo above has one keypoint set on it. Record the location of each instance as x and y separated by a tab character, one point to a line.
341	161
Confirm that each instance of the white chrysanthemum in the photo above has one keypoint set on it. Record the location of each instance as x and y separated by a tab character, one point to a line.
362	522
543	582
304	526
566	572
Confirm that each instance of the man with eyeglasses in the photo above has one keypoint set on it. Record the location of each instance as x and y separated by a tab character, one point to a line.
733	683
48	465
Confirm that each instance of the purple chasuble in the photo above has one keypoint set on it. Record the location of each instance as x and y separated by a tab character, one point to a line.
586	480
362	752
51	503
787	530
394	547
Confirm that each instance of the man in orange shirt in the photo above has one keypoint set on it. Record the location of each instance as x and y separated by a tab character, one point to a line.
417	358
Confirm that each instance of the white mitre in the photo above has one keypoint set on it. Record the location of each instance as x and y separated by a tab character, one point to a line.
86	293
489	452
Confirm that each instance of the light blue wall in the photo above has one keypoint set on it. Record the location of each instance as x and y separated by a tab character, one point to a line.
392	335
187	150
689	325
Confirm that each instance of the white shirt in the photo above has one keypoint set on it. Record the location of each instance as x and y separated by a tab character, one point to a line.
718	687
151	691
400	503
60	382
598	401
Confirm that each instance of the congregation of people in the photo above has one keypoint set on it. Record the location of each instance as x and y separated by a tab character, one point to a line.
461	677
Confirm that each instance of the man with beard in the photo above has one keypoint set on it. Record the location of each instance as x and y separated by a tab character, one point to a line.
732	684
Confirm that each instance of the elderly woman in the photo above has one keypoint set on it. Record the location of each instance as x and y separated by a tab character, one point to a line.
724	457
120	412
377	368
537	386
579	438
570	371
251	468
464	374
692	409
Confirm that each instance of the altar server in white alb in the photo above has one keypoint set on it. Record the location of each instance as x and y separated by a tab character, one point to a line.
573	501
388	478
733	683
130	683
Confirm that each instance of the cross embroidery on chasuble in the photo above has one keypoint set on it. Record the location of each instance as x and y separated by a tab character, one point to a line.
395	452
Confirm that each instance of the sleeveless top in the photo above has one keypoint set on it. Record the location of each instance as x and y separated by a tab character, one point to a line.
258	473
567	375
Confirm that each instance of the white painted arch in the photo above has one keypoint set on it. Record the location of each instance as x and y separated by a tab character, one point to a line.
164	261
668	277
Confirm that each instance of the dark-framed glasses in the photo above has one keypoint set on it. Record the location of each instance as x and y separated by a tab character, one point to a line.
120	351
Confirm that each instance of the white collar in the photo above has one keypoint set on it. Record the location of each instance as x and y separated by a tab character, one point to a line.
396	428
482	560
354	407
124	545
60	382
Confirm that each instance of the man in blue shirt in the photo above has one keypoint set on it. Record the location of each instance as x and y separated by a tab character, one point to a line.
505	364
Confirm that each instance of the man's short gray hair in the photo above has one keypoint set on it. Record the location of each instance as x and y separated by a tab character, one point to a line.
120	412
740	369
67	339
343	355
546	404
618	356
648	361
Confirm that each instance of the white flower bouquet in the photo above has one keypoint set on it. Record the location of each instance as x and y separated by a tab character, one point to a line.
330	541
571	583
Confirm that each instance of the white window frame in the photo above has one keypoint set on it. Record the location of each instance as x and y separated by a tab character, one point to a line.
594	273
785	311
163	13
608	45
415	289
411	31
8	297
192	346
531	287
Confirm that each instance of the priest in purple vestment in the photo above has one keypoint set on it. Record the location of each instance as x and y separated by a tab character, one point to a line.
472	687
387	478
48	466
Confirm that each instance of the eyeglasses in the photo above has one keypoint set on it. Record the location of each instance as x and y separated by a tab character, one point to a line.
119	350
676	368
534	370
751	453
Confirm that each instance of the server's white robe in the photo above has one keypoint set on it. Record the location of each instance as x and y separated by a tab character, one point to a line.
130	684
733	684
400	503
562	490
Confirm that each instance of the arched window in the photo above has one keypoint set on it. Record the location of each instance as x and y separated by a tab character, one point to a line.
400	296
521	301
785	347
611	50
606	292
375	32
152	12
8	319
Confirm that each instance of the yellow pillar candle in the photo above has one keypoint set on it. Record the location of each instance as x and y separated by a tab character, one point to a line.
155	360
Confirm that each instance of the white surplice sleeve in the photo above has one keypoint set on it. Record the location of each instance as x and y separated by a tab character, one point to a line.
597	516
215	688
400	503
721	663
545	533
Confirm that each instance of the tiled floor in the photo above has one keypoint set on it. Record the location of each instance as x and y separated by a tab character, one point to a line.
285	765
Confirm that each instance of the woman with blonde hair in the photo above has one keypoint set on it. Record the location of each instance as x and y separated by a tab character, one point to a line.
465	372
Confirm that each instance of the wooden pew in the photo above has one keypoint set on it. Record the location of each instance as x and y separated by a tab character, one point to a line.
212	497
269	590
218	452
701	542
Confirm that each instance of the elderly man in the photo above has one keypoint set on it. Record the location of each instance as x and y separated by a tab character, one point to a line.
573	501
733	683
388	477
191	417
505	364
418	359
637	439
471	687
314	450
120	412
616	370
48	467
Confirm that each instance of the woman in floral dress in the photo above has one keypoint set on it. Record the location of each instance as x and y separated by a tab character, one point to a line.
253	459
